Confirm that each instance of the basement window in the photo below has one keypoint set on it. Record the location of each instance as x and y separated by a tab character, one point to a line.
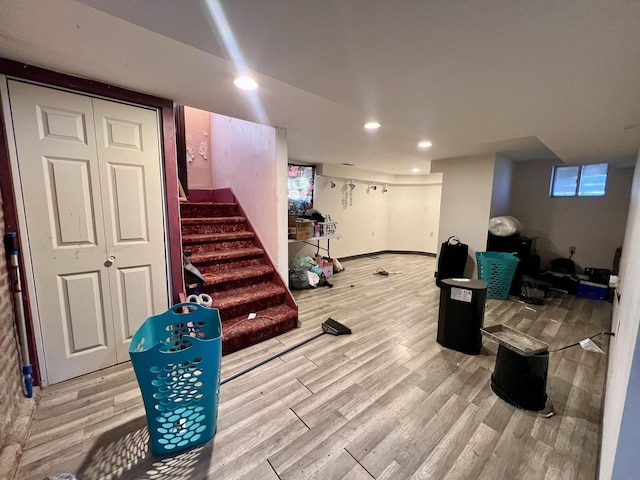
579	180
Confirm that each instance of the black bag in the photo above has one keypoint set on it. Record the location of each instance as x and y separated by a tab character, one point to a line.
452	260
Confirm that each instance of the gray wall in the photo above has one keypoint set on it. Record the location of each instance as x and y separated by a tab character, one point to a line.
595	225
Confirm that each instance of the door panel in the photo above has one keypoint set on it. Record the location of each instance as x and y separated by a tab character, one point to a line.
135	298
128	149
83	319
61	193
127	186
91	185
71	209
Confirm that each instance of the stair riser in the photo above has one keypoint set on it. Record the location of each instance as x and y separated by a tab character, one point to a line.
212	210
214	228
239	283
216	246
212	267
257	336
247	308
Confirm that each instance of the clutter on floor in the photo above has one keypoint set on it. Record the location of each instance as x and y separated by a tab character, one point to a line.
306	272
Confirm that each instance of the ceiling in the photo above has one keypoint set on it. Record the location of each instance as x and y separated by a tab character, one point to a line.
530	80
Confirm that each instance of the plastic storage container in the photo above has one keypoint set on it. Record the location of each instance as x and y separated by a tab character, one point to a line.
593	290
176	357
497	269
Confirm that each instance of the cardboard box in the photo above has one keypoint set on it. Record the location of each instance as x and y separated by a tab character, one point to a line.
302	231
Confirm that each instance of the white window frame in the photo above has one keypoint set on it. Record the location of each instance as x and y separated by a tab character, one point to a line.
576	192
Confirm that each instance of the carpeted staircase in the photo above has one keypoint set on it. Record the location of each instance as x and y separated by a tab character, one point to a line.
241	279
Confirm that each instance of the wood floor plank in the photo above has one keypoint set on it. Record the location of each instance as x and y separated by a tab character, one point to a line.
386	402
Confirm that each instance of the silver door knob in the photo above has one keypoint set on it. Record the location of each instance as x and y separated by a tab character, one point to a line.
110	260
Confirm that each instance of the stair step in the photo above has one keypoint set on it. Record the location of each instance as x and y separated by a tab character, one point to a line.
195	228
242	301
211	220
239	332
216	237
235	277
226	255
209	209
245	295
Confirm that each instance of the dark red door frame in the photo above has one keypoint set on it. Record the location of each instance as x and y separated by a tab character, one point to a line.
168	134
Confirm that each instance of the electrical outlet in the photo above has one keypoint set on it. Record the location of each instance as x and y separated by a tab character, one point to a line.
572	250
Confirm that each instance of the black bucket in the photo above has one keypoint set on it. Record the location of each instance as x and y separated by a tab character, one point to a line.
520	380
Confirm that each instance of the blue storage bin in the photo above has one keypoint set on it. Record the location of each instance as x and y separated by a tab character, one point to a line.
497	269
176	358
592	290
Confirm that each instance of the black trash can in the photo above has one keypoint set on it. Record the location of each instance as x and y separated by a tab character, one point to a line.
521	380
461	314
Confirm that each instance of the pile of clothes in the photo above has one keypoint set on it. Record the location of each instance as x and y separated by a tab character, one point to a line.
305	272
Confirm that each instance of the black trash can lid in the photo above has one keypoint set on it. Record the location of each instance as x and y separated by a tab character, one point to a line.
468	283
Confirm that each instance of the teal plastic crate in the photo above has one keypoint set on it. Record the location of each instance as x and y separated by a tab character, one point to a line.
176	357
497	269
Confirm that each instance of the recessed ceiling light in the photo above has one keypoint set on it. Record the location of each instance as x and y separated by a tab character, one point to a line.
372	125
245	83
424	144
415	170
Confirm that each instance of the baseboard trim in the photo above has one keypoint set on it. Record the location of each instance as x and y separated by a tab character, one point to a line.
381	252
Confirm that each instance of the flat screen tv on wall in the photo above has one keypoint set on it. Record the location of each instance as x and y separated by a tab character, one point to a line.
300	180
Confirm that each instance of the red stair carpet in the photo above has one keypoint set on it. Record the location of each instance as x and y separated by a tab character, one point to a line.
241	279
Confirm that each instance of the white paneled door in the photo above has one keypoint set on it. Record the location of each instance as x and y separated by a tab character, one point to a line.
91	187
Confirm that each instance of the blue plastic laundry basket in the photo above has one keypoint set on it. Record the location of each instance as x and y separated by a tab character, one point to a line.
497	269
176	358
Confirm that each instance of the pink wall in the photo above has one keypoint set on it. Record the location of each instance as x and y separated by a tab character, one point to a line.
243	157
198	138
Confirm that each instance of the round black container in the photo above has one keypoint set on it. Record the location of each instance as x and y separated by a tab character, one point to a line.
461	314
520	380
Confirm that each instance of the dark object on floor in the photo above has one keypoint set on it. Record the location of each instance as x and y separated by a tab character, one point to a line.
452	260
522	364
461	315
563	265
532	290
561	281
598	275
521	381
329	326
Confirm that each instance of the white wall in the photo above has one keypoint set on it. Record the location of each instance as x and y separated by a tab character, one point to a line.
243	157
467	185
621	422
362	217
594	225
402	218
414	214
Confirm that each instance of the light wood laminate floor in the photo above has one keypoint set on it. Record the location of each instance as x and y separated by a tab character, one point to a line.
387	402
